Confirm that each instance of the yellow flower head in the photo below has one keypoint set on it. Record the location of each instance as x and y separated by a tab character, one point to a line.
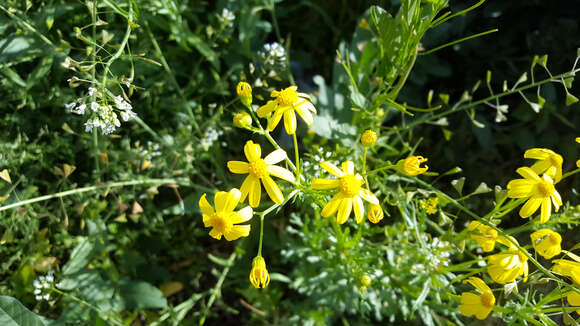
412	165
547	243
288	101
567	268
259	169
365	280
505	267
479	305
548	162
223	219
578	139
574	300
244	91
375	213
369	138
259	276
540	191
350	192
430	205
483	234
242	119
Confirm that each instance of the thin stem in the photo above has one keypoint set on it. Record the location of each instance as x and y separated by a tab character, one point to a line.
393	94
122	46
217	288
268	211
95	188
85	303
261	235
297	155
93	79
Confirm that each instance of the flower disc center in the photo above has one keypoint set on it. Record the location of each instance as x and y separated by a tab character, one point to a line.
487	299
258	168
545	188
350	185
220	223
287	97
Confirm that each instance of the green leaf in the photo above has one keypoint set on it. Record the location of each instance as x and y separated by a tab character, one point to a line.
570	99
543	61
481	189
444	98
79	257
458	184
139	294
13	313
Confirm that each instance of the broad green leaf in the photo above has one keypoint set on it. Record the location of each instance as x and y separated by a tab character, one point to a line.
570	99
139	294
13	313
79	257
458	184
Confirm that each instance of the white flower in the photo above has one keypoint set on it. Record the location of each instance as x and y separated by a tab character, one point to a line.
80	110
227	17
95	106
70	105
92	91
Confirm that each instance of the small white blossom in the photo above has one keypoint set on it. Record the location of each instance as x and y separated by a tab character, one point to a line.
42	286
70	106
92	91
273	54
95	106
227	17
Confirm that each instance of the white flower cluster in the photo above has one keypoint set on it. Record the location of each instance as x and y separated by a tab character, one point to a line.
227	18
273	54
152	150
437	253
318	158
209	137
103	116
42	287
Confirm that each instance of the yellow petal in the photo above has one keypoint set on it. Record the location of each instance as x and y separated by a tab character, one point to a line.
332	169
273	190
344	210
478	284
255	192
238	167
205	206
252	151
530	207
368	196
233	199
275	157
237	231
324	184
348	167
220	201
574	299
541	166
215	234
538	153
274	120
359	209
470	304
482	313
246	186
281	173
528	173
267	108
241	216
520	188
332	206
546	210
304	112
290	122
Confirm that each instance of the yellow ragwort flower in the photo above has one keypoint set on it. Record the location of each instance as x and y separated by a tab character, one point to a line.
547	243
506	266
288	101
365	280
369	138
242	120
540	191
483	234
259	276
259	169
548	162
350	192
479	305
567	268
412	165
376	213
224	220
430	205
244	91
574	300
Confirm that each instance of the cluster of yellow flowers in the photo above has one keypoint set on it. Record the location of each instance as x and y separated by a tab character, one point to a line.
506	266
349	193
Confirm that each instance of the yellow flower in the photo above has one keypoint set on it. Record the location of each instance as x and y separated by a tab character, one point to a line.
567	268
366	280
288	101
430	205
485	237
259	169
574	300
242	120
411	165
540	191
505	267
259	276
546	243
548	162
223	220
479	305
375	213
368	138
244	91
349	193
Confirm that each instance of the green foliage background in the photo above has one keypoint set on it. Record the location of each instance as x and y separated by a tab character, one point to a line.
115	247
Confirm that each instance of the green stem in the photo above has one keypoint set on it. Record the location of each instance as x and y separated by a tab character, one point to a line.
482	101
93	79
268	211
122	46
85	303
217	288
297	155
95	188
393	94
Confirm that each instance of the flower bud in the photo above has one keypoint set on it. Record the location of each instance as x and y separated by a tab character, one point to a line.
259	276
244	91
242	120
366	280
369	138
412	165
375	214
